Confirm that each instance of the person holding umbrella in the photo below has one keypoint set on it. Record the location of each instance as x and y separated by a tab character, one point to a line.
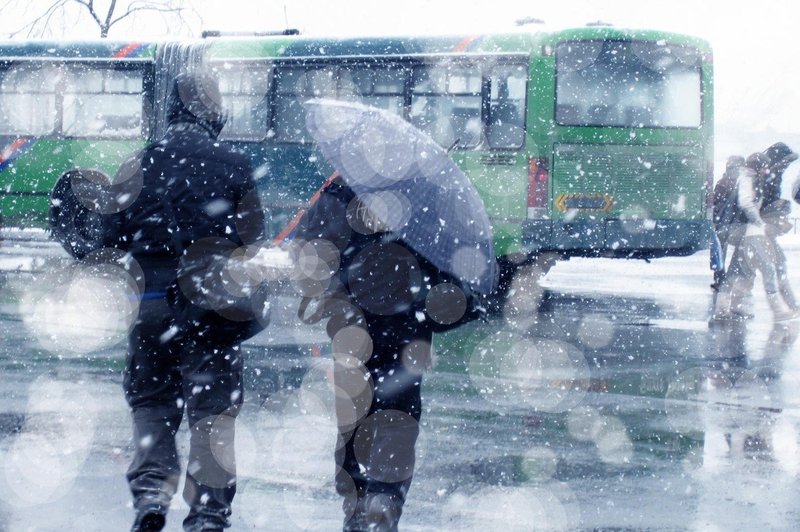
394	248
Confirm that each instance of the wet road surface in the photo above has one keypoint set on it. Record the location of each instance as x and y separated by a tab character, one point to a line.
613	406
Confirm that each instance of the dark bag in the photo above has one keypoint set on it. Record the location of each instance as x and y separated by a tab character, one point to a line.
776	216
380	276
442	303
449	304
726	206
215	293
72	224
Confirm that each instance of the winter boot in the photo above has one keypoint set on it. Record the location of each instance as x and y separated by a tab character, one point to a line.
149	519
383	512
741	305
722	307
780	310
356	515
788	295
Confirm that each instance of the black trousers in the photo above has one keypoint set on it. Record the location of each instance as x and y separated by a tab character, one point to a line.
376	453
165	376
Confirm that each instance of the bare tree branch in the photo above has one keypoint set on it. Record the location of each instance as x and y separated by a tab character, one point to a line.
161	9
117	11
107	24
89	5
43	19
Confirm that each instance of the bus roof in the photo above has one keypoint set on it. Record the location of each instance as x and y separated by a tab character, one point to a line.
611	32
77	49
519	41
369	46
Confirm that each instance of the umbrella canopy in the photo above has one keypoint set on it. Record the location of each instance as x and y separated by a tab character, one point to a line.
410	184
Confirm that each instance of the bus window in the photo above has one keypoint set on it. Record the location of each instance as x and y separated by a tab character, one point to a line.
75	100
506	127
244	88
290	91
625	84
446	104
681	87
294	86
377	86
28	100
100	102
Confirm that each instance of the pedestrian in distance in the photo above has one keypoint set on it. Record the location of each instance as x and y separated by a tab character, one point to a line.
779	157
195	189
755	251
724	203
776	211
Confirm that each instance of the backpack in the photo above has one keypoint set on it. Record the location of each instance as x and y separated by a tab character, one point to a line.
726	205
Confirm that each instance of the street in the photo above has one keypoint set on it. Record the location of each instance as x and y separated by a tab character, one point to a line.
613	406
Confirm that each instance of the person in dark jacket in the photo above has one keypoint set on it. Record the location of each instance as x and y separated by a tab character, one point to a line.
723	195
383	302
776	211
779	157
194	187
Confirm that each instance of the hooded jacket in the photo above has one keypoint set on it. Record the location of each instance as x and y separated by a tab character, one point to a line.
750	188
190	176
779	156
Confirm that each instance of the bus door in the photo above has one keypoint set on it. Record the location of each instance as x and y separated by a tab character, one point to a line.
476	109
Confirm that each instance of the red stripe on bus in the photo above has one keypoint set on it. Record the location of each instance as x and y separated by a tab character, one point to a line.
9	150
291	226
128	50
464	43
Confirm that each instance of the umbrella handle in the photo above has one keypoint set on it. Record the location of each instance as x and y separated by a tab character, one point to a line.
453	145
287	231
319	309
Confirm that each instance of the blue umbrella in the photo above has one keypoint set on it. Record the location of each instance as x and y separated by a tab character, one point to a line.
410	184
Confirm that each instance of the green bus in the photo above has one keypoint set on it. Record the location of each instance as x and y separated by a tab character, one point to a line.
68	107
592	141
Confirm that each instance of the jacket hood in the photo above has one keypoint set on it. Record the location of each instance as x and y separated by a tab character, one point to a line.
780	152
195	99
758	162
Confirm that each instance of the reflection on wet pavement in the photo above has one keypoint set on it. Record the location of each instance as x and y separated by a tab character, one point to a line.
600	411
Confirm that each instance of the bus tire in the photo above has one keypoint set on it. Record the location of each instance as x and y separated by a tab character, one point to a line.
77	228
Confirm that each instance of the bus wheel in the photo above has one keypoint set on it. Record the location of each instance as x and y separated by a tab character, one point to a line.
76	227
518	289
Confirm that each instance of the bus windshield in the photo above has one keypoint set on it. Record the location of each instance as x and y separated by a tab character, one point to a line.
618	83
70	100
